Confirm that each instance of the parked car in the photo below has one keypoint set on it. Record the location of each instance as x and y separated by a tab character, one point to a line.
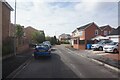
100	45
47	43
111	47
44	45
42	50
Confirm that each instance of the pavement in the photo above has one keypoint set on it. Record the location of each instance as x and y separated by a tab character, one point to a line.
12	63
108	58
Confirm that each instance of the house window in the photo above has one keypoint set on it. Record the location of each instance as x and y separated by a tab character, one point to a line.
80	33
109	32
105	33
96	32
81	41
75	41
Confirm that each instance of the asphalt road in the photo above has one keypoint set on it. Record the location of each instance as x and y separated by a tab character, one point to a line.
64	63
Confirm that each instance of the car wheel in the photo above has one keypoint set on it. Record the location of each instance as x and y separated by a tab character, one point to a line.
115	50
101	48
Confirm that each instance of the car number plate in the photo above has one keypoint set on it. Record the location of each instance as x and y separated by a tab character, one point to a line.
41	50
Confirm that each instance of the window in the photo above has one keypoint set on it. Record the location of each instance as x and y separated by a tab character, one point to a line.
80	33
90	42
96	32
75	41
105	33
81	41
109	32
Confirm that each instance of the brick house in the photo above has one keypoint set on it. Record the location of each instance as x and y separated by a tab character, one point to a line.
106	30
84	33
6	9
64	37
22	43
28	33
11	30
0	24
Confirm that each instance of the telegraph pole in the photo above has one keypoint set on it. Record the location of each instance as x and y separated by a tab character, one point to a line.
15	30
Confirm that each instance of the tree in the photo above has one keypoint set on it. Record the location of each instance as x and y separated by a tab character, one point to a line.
55	40
19	32
38	37
48	38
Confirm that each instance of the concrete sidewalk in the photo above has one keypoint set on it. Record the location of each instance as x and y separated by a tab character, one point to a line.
12	63
107	58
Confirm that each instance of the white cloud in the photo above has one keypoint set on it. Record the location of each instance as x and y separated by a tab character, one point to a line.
57	19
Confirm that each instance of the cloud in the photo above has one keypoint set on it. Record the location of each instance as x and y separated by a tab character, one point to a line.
64	17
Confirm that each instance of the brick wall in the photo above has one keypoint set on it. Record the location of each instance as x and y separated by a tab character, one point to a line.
0	30
76	46
82	46
11	30
90	32
28	32
5	21
0	24
22	48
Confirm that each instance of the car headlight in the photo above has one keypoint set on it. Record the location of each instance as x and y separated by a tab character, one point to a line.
96	46
111	47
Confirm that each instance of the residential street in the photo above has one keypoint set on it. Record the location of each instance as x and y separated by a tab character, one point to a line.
63	63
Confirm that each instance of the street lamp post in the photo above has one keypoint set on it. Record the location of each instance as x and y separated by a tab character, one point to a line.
15	30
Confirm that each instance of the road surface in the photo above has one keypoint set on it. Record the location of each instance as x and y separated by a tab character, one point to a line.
64	63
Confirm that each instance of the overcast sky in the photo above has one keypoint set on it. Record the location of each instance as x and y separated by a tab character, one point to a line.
56	17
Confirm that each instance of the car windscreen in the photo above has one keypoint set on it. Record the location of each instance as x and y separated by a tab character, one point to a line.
113	43
100	42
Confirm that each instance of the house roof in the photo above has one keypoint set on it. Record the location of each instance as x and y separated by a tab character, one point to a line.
6	3
30	28
84	27
65	35
116	31
103	27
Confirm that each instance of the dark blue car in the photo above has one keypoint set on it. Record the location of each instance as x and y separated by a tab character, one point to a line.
42	50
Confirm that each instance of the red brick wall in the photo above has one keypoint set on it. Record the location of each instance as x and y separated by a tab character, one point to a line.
5	21
29	32
76	46
90	32
0	24
82	47
22	48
